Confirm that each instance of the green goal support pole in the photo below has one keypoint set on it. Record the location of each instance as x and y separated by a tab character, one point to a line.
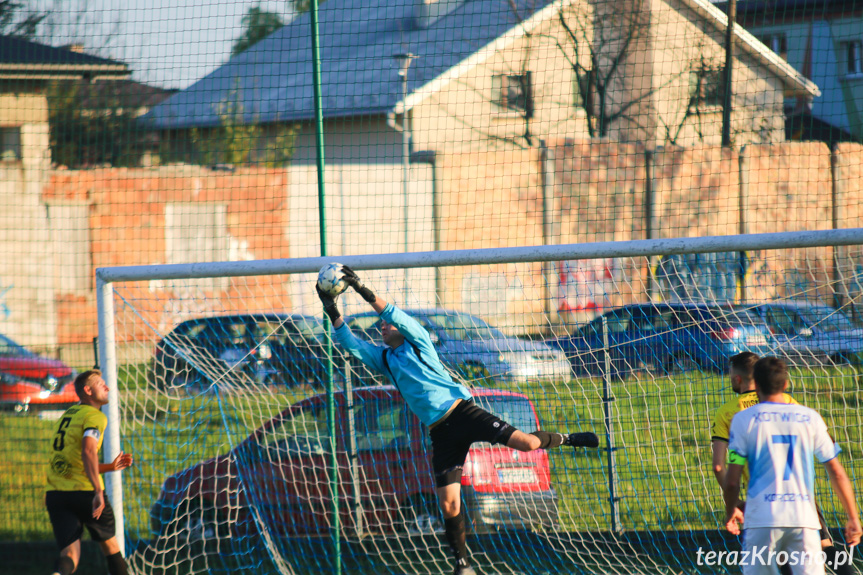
322	224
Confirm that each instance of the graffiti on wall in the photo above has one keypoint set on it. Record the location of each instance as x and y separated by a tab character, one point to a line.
709	277
719	277
587	284
5	311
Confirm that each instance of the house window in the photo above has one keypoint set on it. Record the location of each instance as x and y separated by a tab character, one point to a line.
70	234
854	52
776	42
513	92
705	88
10	144
197	233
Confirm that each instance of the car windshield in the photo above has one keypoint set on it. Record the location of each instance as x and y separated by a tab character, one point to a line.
9	348
297	330
826	319
738	315
514	410
463	326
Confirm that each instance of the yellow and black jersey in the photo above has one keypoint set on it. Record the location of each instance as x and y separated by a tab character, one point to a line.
722	422
724	415
66	472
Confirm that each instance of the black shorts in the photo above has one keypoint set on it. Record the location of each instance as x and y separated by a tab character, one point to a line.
71	511
451	439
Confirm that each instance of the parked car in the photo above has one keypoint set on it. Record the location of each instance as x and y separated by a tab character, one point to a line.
264	348
810	333
30	382
665	337
385	480
473	348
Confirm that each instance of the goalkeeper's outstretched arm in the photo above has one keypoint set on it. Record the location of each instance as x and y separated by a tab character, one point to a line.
355	282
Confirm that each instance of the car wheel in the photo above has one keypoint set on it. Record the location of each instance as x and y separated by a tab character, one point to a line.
423	516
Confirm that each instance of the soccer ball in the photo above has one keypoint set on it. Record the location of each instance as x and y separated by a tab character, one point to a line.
331	279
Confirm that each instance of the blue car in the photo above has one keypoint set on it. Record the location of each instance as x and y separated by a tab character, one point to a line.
664	337
265	348
474	349
812	333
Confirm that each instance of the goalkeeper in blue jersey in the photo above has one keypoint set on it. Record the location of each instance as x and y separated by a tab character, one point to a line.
410	361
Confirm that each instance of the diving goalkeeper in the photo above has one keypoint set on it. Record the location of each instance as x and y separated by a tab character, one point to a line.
409	359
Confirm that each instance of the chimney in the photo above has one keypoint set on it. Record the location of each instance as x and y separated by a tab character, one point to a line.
77	48
427	12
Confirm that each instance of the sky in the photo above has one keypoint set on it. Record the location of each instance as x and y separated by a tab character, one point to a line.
167	43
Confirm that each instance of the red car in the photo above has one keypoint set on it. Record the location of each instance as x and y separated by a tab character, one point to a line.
385	475
29	382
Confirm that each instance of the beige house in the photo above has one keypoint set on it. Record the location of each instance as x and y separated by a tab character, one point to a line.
486	75
29	230
558	69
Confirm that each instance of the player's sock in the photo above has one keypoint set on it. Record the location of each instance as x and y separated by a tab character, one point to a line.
64	565
549	439
585	439
116	564
830	553
456	535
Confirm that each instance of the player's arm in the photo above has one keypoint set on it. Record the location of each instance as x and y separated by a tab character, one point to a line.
409	327
355	282
731	495
368	353
720	450
122	461
845	491
719	432
90	459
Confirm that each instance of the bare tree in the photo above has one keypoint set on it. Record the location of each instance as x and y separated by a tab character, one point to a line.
605	44
20	18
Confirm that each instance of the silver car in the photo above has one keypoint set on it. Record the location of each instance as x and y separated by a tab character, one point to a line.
812	333
474	349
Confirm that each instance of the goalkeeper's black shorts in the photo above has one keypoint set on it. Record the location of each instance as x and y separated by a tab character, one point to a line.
451	439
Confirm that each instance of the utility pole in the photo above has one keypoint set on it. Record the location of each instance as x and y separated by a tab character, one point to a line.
727	76
404	61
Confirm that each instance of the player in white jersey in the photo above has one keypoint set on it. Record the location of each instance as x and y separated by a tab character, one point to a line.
778	442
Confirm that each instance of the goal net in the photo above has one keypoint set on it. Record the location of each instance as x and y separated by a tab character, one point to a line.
244	462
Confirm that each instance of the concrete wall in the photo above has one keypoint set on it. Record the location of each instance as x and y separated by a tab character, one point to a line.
27	306
613	192
575	191
365	207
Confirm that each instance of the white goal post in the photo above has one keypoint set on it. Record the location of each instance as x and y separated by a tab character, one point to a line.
106	277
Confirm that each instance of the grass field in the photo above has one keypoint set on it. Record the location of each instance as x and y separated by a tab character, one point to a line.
660	428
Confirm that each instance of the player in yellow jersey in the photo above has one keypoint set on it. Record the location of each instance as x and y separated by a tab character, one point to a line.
740	373
742	383
76	494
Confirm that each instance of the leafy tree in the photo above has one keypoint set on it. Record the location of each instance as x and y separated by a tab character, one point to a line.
84	135
257	25
237	141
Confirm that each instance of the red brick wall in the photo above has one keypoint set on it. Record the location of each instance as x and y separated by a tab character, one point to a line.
127	227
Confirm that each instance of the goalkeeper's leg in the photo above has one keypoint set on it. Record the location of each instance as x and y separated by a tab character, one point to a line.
545	440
